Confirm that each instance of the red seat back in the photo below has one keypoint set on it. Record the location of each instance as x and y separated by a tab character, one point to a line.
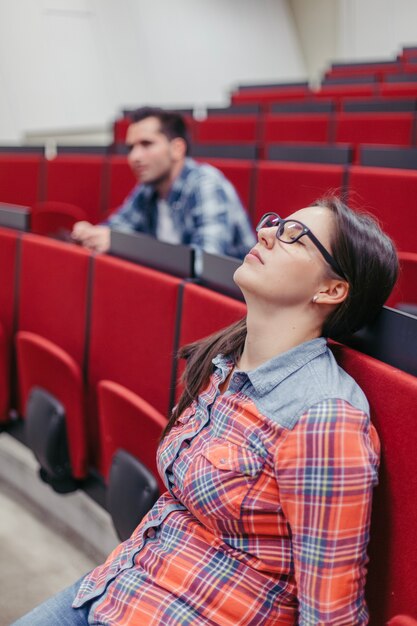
133	319
382	128
388	194
227	128
392	396
77	179
8	263
20	178
264	95
286	187
204	312
53	292
120	182
304	128
405	290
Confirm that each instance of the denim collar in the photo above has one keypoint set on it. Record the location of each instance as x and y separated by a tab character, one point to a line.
273	372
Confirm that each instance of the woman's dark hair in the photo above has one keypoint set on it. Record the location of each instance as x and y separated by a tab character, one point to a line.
172	124
368	259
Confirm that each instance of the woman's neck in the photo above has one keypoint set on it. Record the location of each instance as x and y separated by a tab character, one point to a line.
271	334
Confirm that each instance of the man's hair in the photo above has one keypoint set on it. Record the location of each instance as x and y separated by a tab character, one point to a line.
172	124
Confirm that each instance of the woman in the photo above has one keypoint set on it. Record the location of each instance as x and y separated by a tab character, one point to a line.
269	458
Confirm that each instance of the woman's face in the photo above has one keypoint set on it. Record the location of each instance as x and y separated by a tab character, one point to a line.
288	274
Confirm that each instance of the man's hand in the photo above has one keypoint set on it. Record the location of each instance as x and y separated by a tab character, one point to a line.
96	238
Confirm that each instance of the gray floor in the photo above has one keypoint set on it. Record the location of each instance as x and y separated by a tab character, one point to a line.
35	561
47	541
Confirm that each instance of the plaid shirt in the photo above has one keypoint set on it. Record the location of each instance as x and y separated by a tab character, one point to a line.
266	515
205	210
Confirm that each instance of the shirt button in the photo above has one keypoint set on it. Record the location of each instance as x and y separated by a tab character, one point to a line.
151	533
222	461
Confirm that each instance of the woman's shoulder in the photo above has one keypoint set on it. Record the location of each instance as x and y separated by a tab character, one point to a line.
321	381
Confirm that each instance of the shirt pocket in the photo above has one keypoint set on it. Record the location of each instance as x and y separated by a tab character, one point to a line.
219	479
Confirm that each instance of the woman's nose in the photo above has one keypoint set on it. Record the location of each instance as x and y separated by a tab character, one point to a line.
267	237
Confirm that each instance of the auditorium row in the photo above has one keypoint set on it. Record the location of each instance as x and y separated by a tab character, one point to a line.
97	184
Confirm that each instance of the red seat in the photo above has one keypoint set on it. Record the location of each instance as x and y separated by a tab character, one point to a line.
347	91
20	178
265	95
389	194
77	179
402	620
55	218
120	127
129	423
52	331
241	174
305	128
9	241
392	396
120	182
203	313
382	128
133	320
405	290
398	89
286	187
227	128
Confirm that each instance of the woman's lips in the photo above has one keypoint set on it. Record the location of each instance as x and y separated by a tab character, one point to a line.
254	252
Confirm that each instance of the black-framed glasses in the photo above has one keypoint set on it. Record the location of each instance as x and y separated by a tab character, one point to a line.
290	231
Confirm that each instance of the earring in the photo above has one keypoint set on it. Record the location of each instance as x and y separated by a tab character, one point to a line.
315	298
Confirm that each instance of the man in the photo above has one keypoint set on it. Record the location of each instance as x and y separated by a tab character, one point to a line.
177	200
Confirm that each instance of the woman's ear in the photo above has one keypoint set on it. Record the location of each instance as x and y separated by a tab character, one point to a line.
334	292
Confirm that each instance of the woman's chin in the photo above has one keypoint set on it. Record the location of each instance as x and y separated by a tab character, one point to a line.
243	279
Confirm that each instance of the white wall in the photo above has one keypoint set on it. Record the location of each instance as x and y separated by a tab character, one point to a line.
317	26
74	63
376	29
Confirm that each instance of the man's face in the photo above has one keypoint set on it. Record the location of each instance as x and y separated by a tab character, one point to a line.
152	155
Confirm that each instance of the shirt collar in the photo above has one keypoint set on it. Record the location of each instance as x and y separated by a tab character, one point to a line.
272	372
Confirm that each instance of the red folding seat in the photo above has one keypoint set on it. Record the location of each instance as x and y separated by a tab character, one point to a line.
227	128
55	219
9	242
128	422
120	127
133	319
265	95
347	91
120	182
291	128
392	395
77	179
204	312
52	323
398	89
390	195
404	295
286	187
20	178
241	174
382	128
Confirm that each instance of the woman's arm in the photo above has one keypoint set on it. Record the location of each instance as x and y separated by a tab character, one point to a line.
326	470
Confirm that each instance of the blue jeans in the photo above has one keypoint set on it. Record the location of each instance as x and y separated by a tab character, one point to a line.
57	611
